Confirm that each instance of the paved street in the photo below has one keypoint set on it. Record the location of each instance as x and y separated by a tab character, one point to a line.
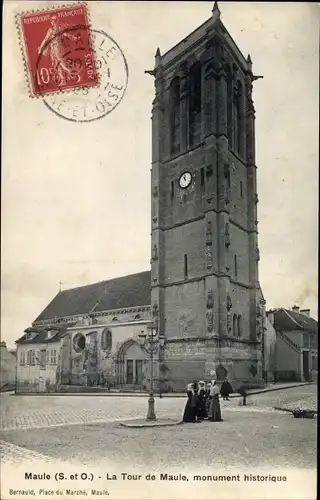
27	412
80	428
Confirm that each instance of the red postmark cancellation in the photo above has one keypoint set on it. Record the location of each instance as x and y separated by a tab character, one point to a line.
57	49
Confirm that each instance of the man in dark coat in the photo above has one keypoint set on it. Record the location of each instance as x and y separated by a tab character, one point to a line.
226	389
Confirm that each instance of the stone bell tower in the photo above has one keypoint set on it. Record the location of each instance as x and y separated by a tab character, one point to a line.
204	248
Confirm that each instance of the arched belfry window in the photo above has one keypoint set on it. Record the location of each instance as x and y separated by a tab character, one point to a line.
175	115
238	119
195	99
106	340
207	97
230	106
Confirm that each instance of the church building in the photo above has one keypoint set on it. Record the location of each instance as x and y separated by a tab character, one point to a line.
202	296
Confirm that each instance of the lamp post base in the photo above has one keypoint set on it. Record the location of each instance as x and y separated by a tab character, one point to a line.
151	413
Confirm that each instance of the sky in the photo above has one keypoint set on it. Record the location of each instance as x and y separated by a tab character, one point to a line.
76	196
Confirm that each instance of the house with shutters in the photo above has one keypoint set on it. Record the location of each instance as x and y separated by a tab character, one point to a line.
38	358
296	348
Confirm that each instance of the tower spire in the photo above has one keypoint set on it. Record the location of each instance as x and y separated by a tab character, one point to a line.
216	11
157	57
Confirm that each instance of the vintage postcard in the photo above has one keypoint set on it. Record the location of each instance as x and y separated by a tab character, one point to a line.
159	335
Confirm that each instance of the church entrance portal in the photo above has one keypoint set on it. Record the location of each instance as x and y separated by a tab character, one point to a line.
130	371
132	365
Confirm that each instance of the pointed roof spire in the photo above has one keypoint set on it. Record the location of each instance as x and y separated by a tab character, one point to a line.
157	58
249	61
216	11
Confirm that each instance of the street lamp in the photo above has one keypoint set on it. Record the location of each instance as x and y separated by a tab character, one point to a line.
150	343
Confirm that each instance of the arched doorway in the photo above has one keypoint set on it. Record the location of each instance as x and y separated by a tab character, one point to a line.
131	364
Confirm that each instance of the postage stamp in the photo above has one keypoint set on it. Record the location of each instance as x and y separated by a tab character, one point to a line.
92	103
57	49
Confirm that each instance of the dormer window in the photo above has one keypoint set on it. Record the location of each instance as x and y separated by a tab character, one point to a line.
30	335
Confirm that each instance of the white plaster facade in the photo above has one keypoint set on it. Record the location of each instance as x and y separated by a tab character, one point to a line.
37	366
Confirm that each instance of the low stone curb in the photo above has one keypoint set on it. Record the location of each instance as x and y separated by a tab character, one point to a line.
139	423
145	394
270	389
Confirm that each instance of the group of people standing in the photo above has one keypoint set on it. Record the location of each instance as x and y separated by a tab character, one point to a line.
203	401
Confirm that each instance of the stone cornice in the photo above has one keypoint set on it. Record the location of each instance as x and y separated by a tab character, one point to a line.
202	277
201	217
215	339
113	324
78	317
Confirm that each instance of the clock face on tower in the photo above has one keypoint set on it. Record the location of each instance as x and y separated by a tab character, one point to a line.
185	180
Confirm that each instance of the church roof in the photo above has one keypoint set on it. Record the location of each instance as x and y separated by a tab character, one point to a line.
287	320
119	293
36	335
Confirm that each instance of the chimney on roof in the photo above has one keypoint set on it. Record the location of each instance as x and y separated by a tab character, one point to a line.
306	312
296	309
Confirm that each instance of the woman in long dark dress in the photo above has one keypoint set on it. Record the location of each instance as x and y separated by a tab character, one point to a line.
202	396
214	413
226	389
190	411
208	398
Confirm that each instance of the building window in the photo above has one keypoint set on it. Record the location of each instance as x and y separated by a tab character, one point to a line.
22	357
172	190
106	340
235	325
239	321
241	189
185	262
236	267
32	357
53	357
47	357
43	357
195	104
79	342
175	115
38	357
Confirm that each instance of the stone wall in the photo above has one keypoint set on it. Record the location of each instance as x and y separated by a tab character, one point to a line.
201	359
7	368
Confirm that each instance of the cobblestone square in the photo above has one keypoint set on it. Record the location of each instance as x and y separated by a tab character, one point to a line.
80	428
72	433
